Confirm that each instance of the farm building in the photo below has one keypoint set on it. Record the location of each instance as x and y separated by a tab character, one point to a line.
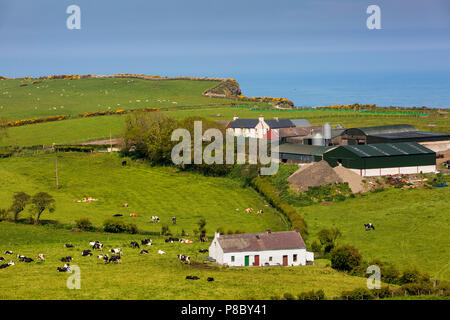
390	133
285	248
383	158
257	128
301	153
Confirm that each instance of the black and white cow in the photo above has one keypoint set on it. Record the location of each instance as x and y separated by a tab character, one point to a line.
210	279
368	226
155	219
203	250
183	258
86	253
192	278
146	242
143	251
2	259
116	259
104	257
66	259
116	251
6	265
96	245
66	268
9	252
134	244
67	245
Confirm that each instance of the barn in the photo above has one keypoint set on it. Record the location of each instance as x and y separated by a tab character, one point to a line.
389	133
301	153
285	248
383	158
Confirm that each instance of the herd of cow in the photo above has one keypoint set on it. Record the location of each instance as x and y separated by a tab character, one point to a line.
115	257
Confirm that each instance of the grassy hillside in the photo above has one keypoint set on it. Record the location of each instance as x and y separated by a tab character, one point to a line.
151	276
72	97
411	227
149	191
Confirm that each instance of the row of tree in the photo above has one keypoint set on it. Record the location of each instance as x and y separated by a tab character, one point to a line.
39	202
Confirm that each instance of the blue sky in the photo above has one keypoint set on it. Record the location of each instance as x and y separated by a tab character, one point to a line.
222	38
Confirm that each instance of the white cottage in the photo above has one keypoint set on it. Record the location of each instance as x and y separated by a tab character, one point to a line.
285	248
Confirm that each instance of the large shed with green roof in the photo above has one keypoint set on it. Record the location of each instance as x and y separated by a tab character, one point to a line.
383	158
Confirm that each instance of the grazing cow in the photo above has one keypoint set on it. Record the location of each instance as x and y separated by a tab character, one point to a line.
192	278
147	242
9	252
185	241
155	219
143	251
124	163
116	251
368	226
171	240
210	279
96	245
115	259
125	205
185	259
203	250
69	245
118	215
134	245
248	210
161	252
104	257
66	259
41	257
66	268
134	215
5	265
174	220
260	211
2	259
86	253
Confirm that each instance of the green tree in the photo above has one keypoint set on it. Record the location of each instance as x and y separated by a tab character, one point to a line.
345	258
40	202
20	200
328	238
201	229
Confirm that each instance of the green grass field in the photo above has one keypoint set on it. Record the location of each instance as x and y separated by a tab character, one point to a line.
151	276
73	97
149	191
411	227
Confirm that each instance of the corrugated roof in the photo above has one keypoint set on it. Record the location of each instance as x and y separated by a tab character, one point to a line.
261	241
295	132
388	149
384	129
410	135
297	148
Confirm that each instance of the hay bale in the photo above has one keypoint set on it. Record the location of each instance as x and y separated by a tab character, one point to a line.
314	175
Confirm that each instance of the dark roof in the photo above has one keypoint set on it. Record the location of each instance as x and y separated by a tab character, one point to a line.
382	129
388	149
244	123
280	123
295	132
297	148
411	135
261	241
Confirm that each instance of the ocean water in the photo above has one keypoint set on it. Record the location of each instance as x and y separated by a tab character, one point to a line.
405	89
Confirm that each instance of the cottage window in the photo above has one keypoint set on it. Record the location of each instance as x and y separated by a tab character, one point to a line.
295	258
270	258
232	258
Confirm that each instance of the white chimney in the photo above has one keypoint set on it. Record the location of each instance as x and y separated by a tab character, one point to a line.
216	234
235	117
276	118
261	118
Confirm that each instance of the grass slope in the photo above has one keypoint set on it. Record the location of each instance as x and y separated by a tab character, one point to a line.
149	276
411	227
149	191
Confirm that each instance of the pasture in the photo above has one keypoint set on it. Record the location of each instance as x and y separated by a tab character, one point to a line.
149	191
411	227
150	276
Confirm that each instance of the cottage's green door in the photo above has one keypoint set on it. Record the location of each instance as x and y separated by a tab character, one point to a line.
247	261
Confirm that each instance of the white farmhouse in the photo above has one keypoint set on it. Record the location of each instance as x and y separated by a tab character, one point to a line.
285	248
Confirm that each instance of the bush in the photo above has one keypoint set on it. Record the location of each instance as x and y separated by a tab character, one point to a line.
417	289
412	276
312	295
358	294
383	292
115	226
83	224
165	231
316	247
3	214
345	258
288	296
